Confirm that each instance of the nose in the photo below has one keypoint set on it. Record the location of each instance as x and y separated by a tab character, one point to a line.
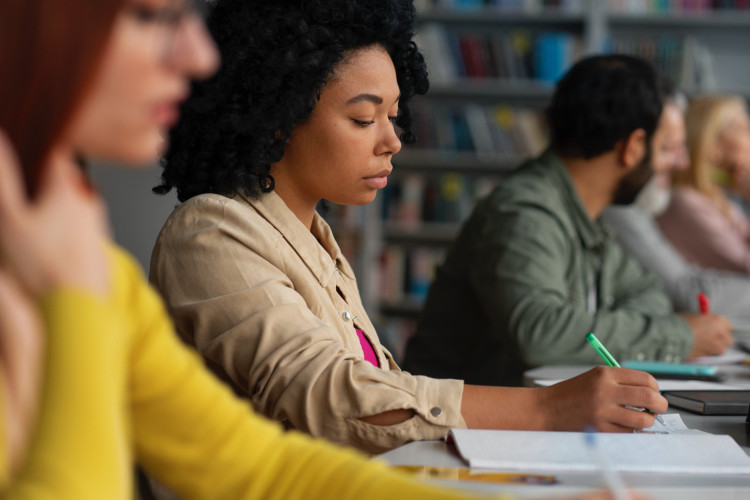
193	51
389	144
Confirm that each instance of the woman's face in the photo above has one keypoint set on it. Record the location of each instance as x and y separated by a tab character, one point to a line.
343	152
155	48
733	143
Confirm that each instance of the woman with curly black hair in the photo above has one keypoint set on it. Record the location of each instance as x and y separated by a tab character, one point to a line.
304	109
278	57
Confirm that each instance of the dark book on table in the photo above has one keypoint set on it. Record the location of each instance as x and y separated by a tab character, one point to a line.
710	402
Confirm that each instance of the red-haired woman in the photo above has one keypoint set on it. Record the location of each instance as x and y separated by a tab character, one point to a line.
104	79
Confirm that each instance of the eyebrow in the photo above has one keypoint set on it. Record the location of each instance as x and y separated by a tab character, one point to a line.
368	98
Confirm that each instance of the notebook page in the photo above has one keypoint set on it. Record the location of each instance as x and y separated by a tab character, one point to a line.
673	424
566	451
729	357
672	385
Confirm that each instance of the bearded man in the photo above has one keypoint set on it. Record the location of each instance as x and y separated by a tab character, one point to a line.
533	270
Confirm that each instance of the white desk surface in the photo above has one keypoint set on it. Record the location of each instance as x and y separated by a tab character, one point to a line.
656	486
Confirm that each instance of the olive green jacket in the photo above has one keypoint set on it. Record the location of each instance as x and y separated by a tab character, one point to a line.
529	275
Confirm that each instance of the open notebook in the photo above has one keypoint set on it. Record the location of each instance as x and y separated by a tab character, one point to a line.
691	452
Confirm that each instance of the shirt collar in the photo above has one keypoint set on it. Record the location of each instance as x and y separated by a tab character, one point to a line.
592	233
316	247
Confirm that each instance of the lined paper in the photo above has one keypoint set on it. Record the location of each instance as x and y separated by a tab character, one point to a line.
696	453
671	385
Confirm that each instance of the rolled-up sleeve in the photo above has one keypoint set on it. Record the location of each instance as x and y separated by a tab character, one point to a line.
226	280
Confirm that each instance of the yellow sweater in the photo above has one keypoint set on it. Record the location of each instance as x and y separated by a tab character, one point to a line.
119	386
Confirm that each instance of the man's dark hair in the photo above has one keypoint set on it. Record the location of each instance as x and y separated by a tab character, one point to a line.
602	100
276	57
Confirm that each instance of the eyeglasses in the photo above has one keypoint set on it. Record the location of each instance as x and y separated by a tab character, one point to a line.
166	19
169	15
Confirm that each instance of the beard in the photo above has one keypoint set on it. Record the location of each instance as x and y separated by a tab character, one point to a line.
654	198
632	184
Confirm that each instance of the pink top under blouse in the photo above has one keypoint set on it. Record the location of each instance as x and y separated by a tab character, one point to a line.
367	348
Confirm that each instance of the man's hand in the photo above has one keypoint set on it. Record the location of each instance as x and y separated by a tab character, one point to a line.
712	334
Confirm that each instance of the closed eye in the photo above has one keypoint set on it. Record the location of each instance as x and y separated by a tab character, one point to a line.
362	123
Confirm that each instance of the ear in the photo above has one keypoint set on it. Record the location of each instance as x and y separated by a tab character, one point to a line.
632	149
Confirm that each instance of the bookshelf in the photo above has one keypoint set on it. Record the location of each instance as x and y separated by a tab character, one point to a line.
482	116
467	162
698	43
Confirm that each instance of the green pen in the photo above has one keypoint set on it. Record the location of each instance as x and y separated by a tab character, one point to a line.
611	361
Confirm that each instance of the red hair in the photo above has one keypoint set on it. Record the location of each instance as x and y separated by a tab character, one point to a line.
49	52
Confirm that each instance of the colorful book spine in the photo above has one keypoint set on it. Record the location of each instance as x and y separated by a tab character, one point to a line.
490	130
406	273
529	6
675	6
412	200
518	54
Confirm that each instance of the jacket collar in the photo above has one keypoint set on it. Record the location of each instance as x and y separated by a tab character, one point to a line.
316	247
592	233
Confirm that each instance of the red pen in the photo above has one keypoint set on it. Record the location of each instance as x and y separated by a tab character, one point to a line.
703	303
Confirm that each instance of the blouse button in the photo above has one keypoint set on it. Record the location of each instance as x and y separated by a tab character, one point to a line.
436	412
346	316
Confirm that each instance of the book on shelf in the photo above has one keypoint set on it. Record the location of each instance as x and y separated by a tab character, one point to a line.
517	47
675	6
406	273
554	53
697	71
517	54
475	56
411	200
480	130
490	131
525	6
684	59
435	45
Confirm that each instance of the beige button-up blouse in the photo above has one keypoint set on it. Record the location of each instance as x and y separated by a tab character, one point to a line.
264	300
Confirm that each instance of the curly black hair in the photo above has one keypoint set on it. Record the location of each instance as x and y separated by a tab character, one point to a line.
276	57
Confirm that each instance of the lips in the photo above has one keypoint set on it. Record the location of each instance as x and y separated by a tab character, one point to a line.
167	114
383	173
379	180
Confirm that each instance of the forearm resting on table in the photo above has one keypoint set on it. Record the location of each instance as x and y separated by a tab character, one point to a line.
485	407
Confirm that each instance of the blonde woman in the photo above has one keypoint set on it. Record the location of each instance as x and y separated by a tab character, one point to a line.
702	222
